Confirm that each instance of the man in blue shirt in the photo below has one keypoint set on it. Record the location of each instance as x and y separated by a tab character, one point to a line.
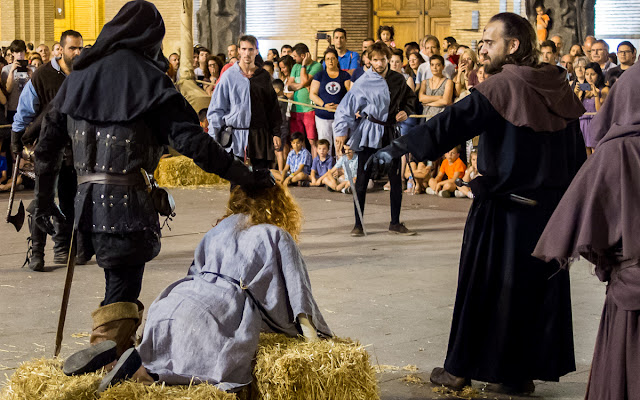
348	60
32	106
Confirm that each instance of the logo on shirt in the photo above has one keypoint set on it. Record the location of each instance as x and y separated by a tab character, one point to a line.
332	88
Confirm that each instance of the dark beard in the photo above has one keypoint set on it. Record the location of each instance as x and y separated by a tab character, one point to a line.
68	62
493	66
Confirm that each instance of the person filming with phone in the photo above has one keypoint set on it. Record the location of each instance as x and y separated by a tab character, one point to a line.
15	76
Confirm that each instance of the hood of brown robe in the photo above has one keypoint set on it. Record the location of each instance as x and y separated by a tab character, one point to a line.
538	98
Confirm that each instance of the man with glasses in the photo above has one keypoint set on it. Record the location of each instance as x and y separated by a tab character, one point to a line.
626	57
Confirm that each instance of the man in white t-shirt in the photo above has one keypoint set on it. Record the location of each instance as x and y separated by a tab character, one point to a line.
430	45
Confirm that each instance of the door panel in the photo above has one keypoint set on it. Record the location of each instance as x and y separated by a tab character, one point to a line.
412	19
439	27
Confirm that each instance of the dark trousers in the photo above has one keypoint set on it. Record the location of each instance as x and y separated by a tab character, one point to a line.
67	187
123	284
395	181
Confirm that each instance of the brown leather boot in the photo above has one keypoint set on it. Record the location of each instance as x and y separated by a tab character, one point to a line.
118	322
440	376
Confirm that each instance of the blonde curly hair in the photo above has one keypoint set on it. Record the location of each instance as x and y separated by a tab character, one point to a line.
274	206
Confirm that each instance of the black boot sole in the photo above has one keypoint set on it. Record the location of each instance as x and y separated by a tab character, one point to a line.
127	365
90	359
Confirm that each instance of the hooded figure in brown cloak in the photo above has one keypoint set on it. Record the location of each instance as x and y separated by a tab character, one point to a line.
512	316
599	219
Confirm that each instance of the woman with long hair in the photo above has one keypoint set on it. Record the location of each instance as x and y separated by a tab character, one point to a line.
592	93
247	275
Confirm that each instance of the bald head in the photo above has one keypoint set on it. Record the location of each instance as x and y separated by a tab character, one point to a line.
586	46
557	39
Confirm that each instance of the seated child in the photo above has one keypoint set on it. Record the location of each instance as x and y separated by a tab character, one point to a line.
247	276
421	173
204	122
321	164
451	169
298	165
3	168
278	86
469	175
336	180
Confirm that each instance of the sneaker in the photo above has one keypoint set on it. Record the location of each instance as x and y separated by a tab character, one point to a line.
347	190
400	229
357	231
304	183
430	191
329	189
387	186
459	194
445	193
470	195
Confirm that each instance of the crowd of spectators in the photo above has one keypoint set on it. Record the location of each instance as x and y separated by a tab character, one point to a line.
440	72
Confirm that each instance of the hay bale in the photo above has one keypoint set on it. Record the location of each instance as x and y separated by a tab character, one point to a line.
290	368
286	369
181	171
136	391
44	379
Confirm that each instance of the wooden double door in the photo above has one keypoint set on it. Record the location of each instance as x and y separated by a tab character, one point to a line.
413	19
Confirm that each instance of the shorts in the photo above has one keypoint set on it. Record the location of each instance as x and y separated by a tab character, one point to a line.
304	122
325	130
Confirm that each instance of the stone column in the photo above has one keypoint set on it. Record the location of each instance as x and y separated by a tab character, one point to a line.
220	23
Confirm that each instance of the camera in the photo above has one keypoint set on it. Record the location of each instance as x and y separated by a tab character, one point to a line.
585	87
23	66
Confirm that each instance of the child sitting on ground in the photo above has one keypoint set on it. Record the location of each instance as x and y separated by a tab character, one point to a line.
469	175
278	87
298	165
321	164
421	173
337	180
451	169
204	122
3	168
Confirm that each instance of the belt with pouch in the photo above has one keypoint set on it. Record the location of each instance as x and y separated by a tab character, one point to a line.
162	200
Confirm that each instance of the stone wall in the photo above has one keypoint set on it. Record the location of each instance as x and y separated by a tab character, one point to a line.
29	20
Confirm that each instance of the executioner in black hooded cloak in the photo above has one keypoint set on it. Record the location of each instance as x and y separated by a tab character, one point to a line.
599	219
512	316
119	108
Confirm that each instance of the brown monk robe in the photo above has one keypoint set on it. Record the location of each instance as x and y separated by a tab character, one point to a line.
599	219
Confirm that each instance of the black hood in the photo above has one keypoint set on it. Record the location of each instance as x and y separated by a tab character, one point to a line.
138	26
123	75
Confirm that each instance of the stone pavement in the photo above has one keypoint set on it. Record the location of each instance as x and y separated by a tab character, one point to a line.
395	294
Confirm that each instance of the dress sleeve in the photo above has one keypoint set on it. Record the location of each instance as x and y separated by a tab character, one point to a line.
459	122
178	124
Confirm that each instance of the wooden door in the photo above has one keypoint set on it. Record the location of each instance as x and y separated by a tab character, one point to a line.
438	18
412	19
406	17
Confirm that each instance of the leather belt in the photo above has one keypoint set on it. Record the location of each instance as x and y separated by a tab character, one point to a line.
132	179
379	122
